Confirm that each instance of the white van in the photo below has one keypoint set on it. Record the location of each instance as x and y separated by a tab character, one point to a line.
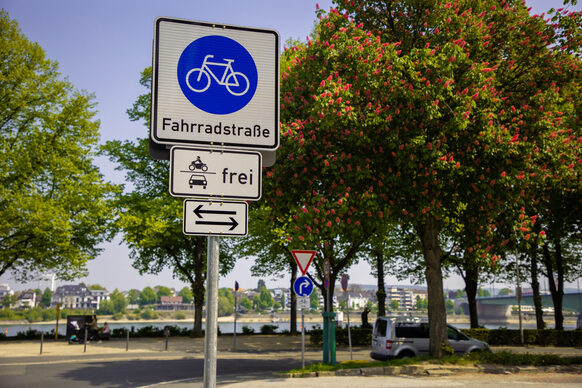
392	339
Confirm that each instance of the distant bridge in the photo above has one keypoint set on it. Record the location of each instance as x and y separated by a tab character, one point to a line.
571	301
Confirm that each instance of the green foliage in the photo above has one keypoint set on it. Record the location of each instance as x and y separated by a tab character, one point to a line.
147	296
186	294
162	291
509	358
246	303
46	298
96	287
248	330
269	329
132	296
179	315
55	207
546	337
118	301
149	314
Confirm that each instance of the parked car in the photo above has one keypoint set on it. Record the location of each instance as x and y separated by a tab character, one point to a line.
392	339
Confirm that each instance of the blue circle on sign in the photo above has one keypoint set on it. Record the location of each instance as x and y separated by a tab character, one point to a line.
303	286
217	74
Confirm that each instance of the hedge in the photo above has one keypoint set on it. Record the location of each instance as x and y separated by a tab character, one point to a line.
512	337
500	337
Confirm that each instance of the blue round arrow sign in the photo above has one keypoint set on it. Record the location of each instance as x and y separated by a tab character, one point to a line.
303	286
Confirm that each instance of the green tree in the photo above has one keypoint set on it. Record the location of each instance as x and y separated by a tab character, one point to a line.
46	298
118	301
450	306
132	296
394	305
9	300
151	220
186	294
147	296
414	110
246	303
97	287
162	291
54	203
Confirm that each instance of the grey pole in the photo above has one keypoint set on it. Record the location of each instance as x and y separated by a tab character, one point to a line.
349	331
302	338
211	313
234	331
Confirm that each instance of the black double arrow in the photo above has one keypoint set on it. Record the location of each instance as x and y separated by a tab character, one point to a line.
199	212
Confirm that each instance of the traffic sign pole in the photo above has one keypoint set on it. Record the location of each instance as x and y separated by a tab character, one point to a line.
302	338
210	338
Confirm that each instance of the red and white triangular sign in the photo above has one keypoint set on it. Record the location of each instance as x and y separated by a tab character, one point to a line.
303	259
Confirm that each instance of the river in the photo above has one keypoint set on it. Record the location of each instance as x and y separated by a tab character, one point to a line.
11	330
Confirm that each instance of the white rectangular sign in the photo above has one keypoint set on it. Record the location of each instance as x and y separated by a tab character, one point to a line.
215	85
207	218
303	302
213	173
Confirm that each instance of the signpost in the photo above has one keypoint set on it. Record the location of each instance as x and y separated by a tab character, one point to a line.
212	173
207	218
347	297
217	86
303	287
235	311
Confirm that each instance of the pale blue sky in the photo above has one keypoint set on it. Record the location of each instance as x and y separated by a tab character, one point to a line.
102	45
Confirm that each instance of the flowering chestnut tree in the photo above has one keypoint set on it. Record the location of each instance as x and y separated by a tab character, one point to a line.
428	114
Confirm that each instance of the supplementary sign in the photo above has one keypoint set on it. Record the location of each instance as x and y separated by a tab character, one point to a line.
205	172
303	286
206	218
303	259
303	303
215	85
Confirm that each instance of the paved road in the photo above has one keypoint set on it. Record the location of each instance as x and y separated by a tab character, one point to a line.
146	364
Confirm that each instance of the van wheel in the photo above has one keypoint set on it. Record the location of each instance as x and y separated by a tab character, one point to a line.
406	354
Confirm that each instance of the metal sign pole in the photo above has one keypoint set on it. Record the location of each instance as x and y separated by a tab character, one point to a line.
234	331
349	331
211	312
302	338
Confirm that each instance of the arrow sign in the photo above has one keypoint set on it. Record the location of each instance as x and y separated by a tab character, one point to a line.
303	259
303	286
205	218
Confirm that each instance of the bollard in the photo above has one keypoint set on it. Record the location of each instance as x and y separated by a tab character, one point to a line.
167	334
85	346
41	341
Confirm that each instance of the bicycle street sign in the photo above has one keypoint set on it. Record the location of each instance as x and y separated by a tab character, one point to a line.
215	85
206	218
215	173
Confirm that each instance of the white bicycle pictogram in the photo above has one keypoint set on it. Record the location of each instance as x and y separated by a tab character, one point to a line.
229	79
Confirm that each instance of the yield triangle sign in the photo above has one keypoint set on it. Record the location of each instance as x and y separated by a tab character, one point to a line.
303	259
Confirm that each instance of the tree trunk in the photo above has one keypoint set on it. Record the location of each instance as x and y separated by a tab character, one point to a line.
293	312
471	288
437	316
554	290
381	293
198	289
558	302
535	286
